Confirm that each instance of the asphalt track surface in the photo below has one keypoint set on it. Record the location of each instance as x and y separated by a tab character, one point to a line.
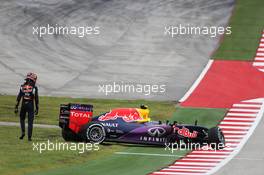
250	159
131	47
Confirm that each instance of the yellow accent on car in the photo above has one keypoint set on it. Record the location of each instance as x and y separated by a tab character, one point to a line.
144	114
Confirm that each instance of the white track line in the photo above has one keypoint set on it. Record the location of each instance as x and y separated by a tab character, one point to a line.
233	136
241	114
233	140
206	156
246	105
183	170
258	64
189	167
197	160
242	119
256	100
235	127
260	58
260	49
234	132
260	54
195	163
198	80
231	117
211	152
243	110
228	122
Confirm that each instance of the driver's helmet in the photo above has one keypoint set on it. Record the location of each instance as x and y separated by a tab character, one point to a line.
31	76
142	106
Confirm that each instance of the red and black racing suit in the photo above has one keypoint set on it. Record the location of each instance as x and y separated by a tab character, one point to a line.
29	93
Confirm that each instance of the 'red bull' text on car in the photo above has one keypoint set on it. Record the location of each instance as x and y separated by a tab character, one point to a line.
131	125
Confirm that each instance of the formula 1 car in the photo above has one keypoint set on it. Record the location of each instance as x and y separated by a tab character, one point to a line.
130	125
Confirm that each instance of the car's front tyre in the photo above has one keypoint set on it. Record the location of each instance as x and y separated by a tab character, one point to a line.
216	138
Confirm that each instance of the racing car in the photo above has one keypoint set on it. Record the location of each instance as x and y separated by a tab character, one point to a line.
130	125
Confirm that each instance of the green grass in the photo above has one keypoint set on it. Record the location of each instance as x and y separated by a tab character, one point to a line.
119	164
205	116
17	157
247	23
49	107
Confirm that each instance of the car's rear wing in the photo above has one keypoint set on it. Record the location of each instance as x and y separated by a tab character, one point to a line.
74	116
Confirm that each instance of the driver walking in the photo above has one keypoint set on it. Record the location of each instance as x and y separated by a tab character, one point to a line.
29	94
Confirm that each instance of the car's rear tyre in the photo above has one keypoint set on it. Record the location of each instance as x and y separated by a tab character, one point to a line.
216	138
95	133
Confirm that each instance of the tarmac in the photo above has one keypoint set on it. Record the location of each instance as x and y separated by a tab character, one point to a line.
250	159
131	49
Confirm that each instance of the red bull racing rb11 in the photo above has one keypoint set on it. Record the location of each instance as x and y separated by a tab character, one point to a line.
130	125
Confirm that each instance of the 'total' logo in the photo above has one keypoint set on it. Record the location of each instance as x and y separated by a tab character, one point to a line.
79	114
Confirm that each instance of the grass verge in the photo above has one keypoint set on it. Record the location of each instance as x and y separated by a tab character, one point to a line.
17	157
247	23
205	116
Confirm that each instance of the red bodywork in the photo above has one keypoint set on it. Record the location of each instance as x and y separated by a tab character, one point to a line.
78	118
